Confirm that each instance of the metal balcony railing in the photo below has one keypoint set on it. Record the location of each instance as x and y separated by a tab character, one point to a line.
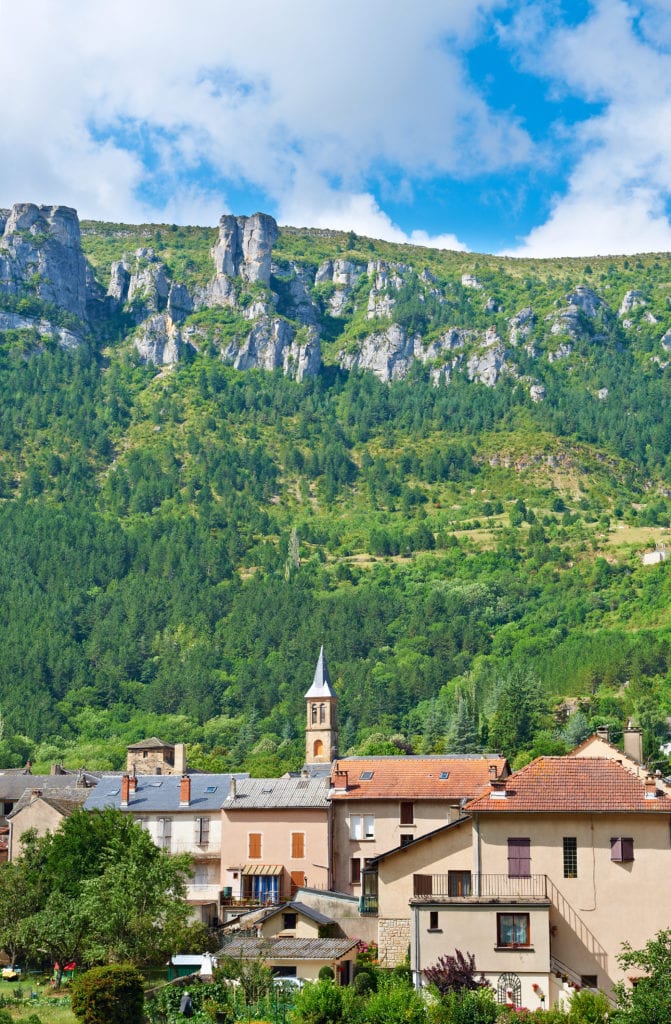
368	906
486	886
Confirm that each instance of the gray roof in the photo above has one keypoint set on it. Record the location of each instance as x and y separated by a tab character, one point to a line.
321	684
14	786
279	793
248	947
153	743
64	800
161	793
300	908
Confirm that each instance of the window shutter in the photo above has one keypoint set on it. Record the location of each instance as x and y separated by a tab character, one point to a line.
202	831
254	845
519	858
422	885
297	845
621	849
407	812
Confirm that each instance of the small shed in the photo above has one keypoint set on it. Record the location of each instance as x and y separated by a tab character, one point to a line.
180	965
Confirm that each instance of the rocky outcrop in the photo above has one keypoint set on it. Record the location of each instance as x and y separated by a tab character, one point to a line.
45	329
631	301
149	286
40	255
345	276
577	320
470	281
272	345
521	325
388	354
244	247
487	366
158	340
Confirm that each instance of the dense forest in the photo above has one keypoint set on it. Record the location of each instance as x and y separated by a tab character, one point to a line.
177	543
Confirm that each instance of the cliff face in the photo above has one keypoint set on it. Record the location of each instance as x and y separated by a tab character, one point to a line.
254	306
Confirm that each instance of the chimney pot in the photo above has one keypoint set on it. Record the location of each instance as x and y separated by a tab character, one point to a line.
185	791
650	787
132	783
339	781
233	788
498	789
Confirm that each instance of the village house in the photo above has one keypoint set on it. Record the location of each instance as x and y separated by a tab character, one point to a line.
278	839
183	815
38	802
566	861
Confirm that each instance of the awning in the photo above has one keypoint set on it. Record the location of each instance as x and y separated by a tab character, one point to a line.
262	869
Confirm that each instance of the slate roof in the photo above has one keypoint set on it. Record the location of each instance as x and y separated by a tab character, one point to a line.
321	684
155	793
279	793
14	786
65	801
415	777
572	784
153	743
300	908
248	947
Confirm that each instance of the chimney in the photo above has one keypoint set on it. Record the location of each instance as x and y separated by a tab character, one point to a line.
233	788
651	788
35	794
633	744
339	781
603	732
125	790
185	791
132	783
493	772
180	759
498	789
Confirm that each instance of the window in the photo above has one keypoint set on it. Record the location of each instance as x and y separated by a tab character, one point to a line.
254	845
570	857
318	749
513	930
355	870
621	850
202	831
297	845
289	921
458	883
164	833
589	980
519	858
362	826
406	840
433	921
322	713
314	714
366	776
407	812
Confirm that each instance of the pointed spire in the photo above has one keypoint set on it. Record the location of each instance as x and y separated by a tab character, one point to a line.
321	684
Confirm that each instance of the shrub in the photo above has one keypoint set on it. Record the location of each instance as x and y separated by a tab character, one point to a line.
588	1008
320	1003
466	1007
395	1003
363	983
109	995
326	973
454	973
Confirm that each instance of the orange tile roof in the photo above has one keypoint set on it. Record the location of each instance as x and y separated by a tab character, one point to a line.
415	777
572	784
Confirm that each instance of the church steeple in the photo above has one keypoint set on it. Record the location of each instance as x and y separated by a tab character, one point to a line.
321	732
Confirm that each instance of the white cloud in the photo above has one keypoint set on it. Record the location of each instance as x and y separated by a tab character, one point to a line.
115	110
616	197
355	212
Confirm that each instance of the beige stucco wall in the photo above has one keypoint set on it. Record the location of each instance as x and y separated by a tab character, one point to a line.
275	827
36	815
343	910
428	815
472	928
451	850
305	928
609	902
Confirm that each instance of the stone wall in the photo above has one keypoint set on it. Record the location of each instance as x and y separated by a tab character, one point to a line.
393	940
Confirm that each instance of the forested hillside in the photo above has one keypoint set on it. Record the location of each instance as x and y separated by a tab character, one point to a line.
463	533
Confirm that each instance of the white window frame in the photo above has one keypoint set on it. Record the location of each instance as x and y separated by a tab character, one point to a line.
362	827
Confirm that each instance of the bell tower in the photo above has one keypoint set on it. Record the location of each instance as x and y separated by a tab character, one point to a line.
321	730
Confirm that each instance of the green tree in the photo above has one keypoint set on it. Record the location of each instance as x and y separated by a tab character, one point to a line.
649	1001
520	712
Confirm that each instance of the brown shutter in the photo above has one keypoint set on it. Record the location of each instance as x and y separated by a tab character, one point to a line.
297	845
254	845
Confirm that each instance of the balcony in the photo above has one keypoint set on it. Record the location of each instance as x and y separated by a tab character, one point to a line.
460	886
368	906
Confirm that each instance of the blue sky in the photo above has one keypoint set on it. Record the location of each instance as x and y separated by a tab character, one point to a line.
526	128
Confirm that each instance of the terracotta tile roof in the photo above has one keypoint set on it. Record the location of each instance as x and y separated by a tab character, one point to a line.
416	777
572	784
